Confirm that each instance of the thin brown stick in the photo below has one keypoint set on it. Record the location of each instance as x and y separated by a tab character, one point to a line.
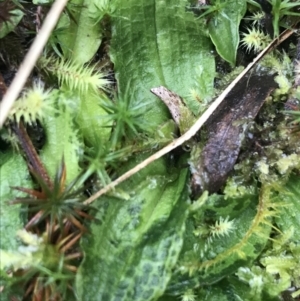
33	158
194	129
30	59
71	242
73	256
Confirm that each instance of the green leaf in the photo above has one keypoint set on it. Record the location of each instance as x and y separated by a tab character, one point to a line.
224	29
290	213
222	291
92	121
206	257
8	26
61	142
13	172
161	44
205	75
231	289
134	244
81	40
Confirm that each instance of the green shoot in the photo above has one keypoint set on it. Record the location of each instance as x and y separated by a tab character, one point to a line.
279	10
55	202
99	158
216	7
127	117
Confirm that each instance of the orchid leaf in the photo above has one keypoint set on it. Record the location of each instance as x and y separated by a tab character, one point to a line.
224	28
162	44
8	26
13	172
83	37
223	236
62	141
290	209
128	255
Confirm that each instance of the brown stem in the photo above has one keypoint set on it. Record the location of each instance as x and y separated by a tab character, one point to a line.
70	243
73	256
31	154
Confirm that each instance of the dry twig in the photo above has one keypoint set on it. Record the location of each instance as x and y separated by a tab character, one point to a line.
194	129
30	59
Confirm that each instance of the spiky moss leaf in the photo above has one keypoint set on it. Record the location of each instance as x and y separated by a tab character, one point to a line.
206	261
161	44
92	121
289	215
8	26
224	28
61	142
80	41
34	104
134	244
13	172
75	77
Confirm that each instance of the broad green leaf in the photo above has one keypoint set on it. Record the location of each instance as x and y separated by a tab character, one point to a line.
203	87
134	244
207	258
82	38
231	289
7	27
224	28
61	142
222	291
92	121
289	211
157	43
13	172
